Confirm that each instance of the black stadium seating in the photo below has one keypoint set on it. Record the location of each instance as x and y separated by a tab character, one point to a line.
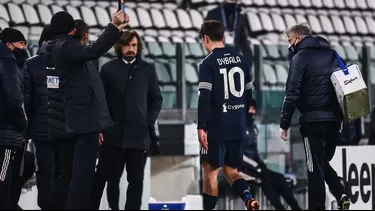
348	24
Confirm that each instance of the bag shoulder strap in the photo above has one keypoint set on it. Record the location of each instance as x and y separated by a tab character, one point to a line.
343	67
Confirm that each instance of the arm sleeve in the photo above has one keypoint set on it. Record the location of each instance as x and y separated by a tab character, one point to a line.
155	99
292	93
27	87
106	40
13	94
249	90
103	76
204	87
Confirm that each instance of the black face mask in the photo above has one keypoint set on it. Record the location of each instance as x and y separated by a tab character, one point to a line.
21	55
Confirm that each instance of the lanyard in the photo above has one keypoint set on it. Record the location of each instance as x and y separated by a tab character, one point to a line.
225	19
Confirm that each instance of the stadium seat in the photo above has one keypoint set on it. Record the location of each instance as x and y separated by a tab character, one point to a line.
3	24
349	24
133	16
306	3
337	23
326	23
361	4
44	13
269	76
62	2
370	22
32	15
315	23
255	23
271	3
16	15
162	73
73	10
279	22
154	49
282	74
191	75
267	22
339	4
289	19
294	3
173	70
193	97
259	3
158	18
282	3
351	4
272	52
169	50
185	23
56	8
361	25
169	96
196	18
318	4
102	16
4	13
88	16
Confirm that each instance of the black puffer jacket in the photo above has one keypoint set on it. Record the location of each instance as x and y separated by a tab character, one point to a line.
36	85
13	120
85	107
309	86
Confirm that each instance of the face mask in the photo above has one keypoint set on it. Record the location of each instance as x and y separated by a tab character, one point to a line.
21	55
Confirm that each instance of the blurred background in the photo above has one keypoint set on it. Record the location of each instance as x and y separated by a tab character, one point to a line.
169	29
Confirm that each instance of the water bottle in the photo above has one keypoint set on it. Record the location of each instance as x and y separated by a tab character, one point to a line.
165	207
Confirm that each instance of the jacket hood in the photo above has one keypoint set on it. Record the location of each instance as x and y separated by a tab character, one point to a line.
42	49
316	42
5	51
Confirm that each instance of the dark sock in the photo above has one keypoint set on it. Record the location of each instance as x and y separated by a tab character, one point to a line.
241	188
209	202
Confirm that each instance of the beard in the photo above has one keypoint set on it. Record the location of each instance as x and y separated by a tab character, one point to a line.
129	56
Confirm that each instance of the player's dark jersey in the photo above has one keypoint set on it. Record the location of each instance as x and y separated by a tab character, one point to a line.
228	76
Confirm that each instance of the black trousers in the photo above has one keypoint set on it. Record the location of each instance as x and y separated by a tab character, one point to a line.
111	165
77	158
320	141
7	155
46	174
19	178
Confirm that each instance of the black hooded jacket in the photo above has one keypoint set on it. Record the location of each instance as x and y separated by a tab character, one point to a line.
36	95
13	119
309	87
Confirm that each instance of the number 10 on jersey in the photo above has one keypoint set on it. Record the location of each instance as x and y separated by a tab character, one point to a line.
231	83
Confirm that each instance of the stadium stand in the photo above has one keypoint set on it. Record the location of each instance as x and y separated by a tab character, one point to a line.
348	24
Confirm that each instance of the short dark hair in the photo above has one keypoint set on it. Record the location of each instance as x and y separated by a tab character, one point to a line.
213	29
81	28
125	40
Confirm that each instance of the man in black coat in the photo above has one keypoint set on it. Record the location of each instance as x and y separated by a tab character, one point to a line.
13	120
36	109
134	100
236	26
82	94
309	89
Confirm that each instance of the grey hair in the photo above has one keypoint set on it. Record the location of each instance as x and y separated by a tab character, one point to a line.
299	29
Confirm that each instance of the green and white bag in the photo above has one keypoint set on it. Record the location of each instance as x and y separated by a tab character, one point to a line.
351	90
